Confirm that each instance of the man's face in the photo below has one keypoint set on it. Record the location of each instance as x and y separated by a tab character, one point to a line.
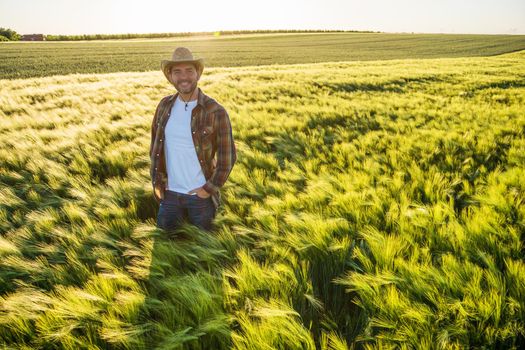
185	77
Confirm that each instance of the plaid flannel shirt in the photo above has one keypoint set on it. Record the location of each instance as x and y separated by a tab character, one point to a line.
212	136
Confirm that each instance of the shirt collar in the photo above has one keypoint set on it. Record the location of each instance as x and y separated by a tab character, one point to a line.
200	97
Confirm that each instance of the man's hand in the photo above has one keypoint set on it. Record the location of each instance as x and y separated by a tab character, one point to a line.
200	192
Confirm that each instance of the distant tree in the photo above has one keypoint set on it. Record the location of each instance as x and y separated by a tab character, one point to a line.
9	34
3	38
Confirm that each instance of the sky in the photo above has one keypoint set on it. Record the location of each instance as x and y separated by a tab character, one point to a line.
159	16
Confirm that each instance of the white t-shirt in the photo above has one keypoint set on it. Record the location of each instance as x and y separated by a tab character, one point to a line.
182	164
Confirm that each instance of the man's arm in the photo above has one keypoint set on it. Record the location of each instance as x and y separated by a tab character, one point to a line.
154	130
226	154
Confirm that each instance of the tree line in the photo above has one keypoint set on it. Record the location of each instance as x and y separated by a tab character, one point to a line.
7	34
10	35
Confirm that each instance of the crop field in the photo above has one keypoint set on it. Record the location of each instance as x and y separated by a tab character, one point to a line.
374	205
38	59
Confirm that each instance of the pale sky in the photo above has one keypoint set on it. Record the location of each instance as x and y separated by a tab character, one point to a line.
156	16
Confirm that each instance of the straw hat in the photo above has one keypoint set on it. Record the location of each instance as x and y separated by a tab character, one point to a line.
181	55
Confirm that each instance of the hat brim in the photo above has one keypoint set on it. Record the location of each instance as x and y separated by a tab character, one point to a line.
166	65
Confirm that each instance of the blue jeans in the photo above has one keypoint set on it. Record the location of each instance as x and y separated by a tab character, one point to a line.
176	207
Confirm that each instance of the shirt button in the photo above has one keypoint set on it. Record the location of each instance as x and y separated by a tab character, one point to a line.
157	154
155	168
194	132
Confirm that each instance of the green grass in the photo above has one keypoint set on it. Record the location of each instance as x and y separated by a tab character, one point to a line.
374	205
32	59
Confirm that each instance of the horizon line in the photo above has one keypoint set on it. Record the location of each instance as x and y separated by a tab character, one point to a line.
254	31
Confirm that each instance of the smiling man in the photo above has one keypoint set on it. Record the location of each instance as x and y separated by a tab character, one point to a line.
192	148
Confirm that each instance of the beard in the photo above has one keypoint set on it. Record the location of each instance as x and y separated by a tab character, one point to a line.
188	89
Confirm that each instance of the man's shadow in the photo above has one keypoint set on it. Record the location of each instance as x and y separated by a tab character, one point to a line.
184	302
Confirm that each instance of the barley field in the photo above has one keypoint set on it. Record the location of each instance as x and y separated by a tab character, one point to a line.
374	205
39	59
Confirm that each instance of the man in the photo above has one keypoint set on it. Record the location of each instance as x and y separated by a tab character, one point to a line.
192	148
